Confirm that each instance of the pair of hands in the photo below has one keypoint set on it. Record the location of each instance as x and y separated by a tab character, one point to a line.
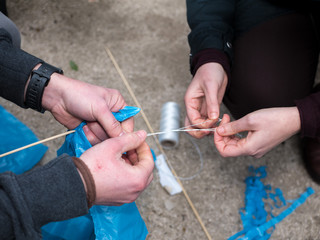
266	128
118	178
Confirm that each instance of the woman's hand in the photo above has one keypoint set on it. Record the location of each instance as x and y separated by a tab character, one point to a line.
204	96
266	129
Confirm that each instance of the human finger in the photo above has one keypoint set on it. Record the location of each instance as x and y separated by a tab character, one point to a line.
97	130
219	140
132	156
231	147
212	103
130	141
128	125
109	123
145	159
228	146
92	138
196	134
232	128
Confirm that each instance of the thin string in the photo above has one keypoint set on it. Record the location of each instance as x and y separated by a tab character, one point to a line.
219	120
157	142
183	130
72	131
201	162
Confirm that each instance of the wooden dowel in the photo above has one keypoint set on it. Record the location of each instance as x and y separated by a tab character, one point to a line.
36	143
157	142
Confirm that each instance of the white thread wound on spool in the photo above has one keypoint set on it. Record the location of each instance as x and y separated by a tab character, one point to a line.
170	120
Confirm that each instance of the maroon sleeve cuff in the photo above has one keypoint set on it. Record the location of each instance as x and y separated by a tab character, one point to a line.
210	55
309	110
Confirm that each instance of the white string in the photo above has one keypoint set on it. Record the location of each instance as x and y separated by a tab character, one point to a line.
200	157
219	120
183	129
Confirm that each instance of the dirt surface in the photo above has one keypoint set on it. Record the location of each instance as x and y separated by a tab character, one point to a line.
149	41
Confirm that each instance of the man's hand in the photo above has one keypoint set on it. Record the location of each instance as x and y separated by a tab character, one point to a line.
71	101
204	96
118	180
266	129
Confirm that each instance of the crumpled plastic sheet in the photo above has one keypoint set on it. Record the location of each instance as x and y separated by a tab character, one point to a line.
167	180
14	134
126	112
105	222
256	225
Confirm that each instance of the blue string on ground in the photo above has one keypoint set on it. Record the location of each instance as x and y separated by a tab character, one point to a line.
256	225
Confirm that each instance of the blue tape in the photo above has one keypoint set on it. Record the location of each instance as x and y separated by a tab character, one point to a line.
254	216
259	231
276	197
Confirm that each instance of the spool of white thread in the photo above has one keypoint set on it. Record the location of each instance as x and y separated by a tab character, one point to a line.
170	120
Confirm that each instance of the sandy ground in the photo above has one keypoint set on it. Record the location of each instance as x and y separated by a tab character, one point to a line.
148	39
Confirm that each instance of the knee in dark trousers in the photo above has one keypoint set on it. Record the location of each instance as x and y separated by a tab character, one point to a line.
3	7
274	64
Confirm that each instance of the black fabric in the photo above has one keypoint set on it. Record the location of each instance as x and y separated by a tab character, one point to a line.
216	23
275	64
53	192
3	7
275	53
12	29
15	68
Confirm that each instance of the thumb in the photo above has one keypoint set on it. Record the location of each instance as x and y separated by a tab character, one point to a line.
145	163
212	103
130	141
231	128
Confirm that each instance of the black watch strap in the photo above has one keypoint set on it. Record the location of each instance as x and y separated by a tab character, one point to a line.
38	81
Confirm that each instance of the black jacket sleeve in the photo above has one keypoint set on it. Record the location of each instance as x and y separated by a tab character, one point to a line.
52	192
15	68
309	110
211	24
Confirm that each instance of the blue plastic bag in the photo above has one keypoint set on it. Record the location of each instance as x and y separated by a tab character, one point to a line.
110	222
15	134
75	228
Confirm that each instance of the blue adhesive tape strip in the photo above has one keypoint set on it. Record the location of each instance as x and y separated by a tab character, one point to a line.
259	231
254	216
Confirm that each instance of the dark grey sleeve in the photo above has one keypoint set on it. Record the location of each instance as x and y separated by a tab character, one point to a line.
11	28
53	192
15	68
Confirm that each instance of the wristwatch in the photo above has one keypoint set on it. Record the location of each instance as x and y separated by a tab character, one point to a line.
38	81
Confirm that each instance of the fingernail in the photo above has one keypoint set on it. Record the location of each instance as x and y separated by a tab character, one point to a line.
221	130
85	129
141	133
213	116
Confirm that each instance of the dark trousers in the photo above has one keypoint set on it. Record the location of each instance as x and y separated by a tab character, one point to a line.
275	63
3	7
